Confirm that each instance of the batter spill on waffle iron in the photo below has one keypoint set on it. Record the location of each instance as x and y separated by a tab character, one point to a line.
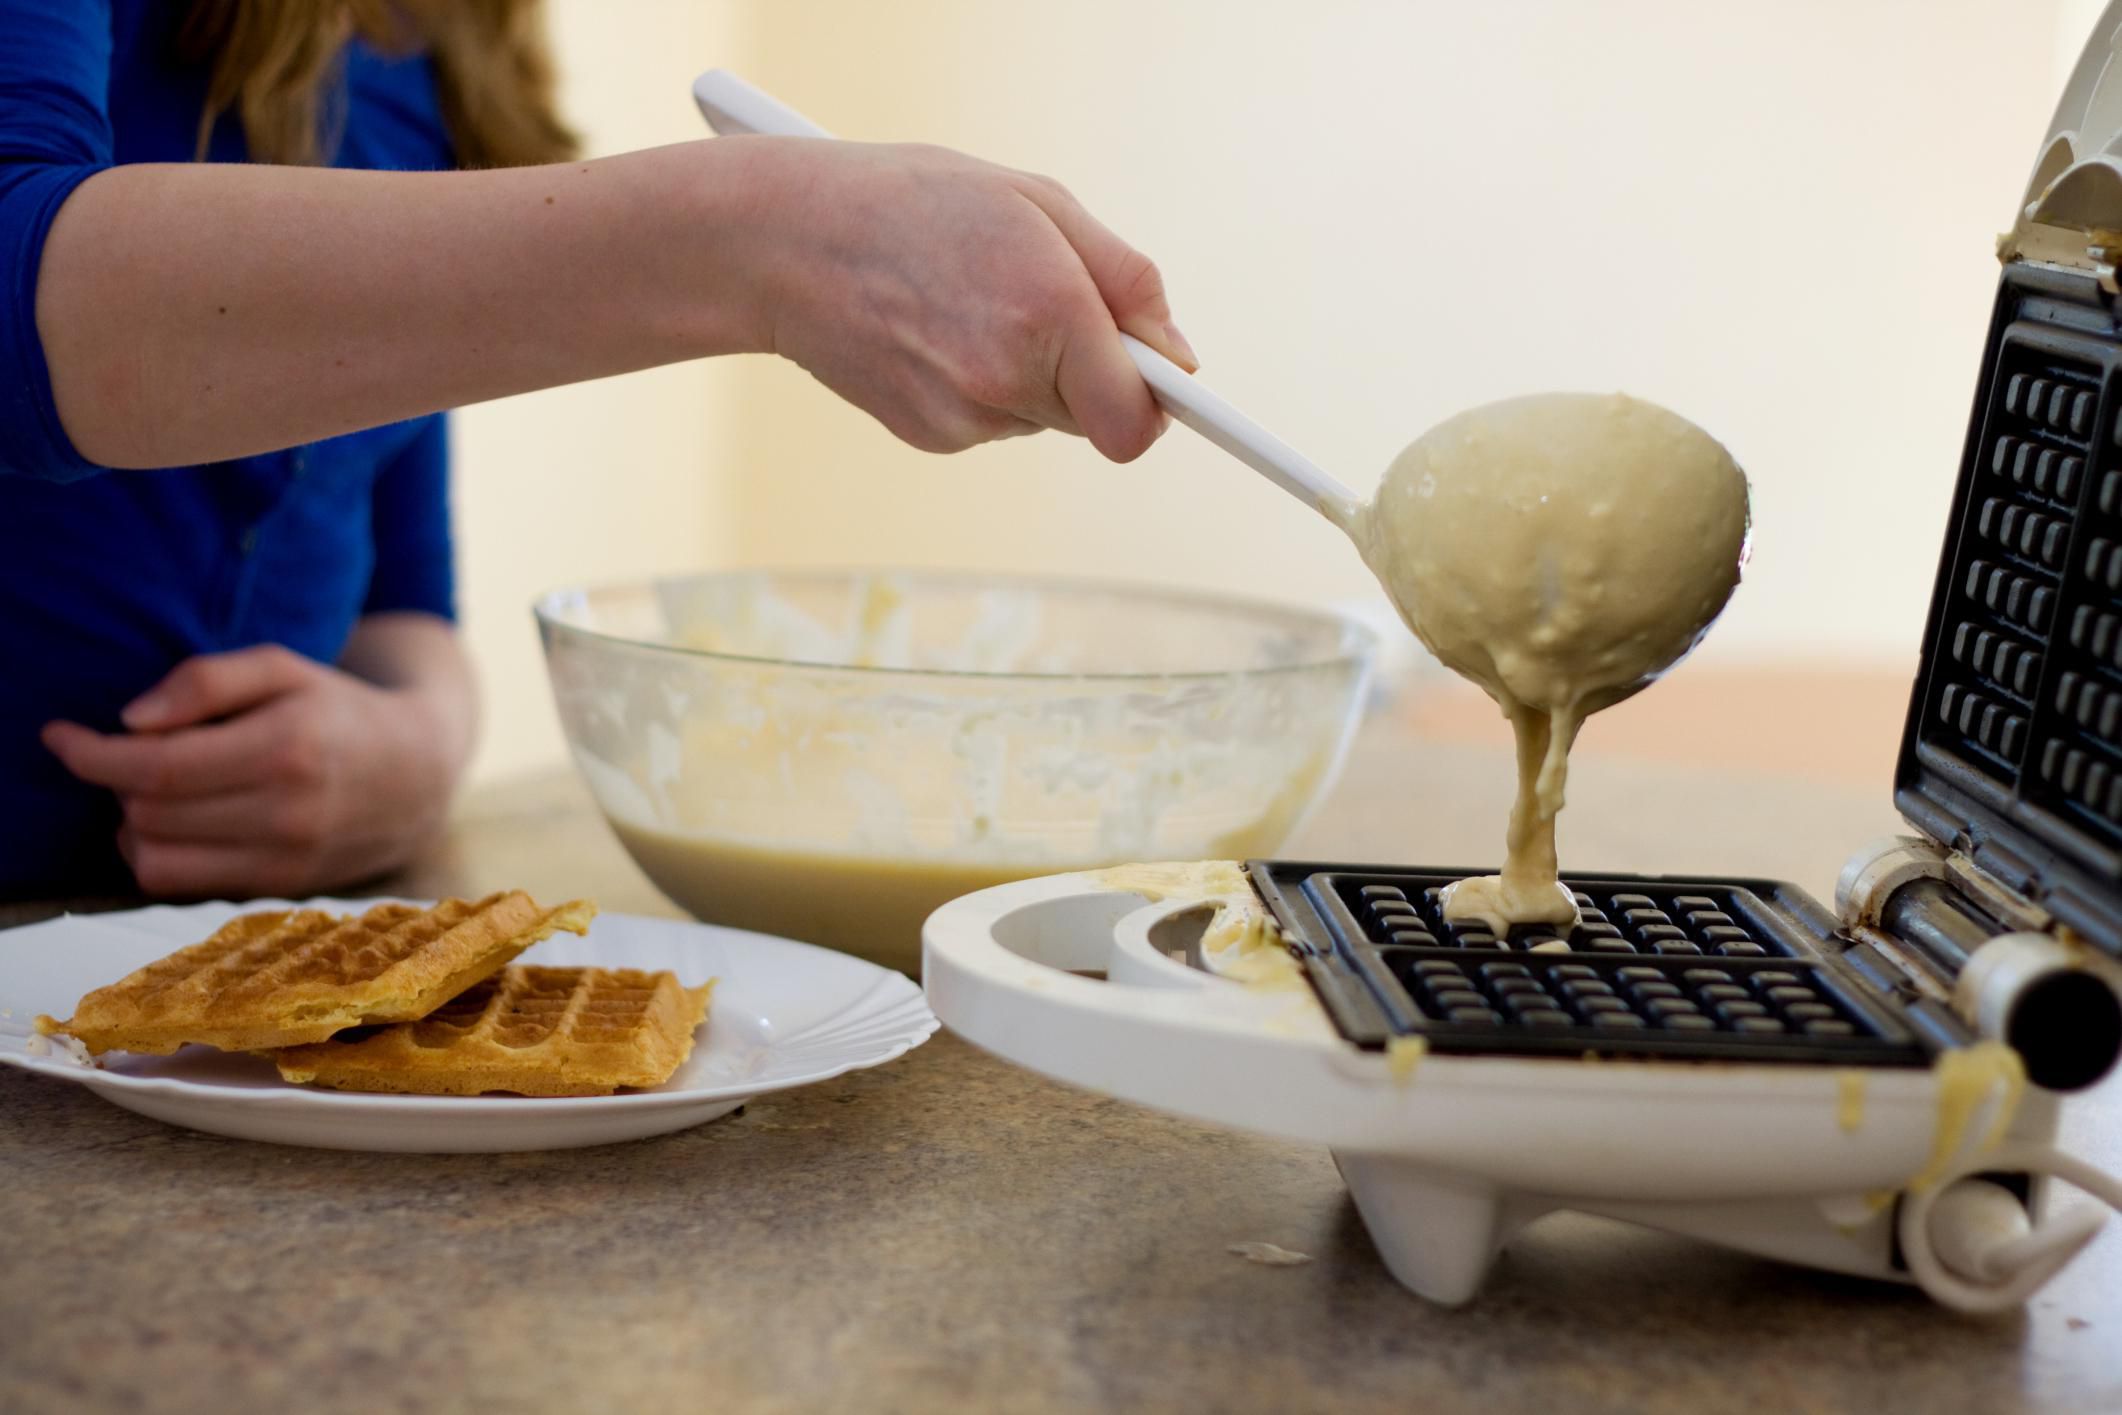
405	999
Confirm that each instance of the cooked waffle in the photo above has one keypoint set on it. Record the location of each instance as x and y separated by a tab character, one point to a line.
286	977
527	1030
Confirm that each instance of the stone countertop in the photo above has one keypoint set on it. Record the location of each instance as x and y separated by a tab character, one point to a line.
949	1232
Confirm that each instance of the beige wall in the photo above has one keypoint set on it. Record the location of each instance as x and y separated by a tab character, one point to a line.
1776	218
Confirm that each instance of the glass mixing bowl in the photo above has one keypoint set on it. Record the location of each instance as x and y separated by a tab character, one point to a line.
829	756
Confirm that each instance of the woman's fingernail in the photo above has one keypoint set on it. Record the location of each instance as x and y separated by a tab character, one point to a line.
146	711
1184	350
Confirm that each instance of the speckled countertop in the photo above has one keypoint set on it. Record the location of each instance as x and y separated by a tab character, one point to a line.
949	1232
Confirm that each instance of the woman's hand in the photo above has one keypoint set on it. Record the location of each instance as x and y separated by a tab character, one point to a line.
954	300
263	772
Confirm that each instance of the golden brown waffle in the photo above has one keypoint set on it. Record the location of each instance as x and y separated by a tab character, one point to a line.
292	976
528	1030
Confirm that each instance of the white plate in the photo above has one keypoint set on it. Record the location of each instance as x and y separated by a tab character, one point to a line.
783	1014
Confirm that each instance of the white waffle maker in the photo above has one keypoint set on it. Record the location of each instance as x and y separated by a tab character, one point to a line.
1872	1090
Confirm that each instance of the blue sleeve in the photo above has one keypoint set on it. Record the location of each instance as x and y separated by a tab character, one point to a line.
414	556
55	133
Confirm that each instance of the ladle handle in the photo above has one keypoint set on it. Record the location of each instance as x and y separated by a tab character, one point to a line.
1194	403
732	106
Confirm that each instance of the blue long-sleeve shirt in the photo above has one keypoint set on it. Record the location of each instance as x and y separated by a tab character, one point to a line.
108	579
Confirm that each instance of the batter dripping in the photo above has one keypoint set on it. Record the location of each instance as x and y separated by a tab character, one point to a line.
1561	551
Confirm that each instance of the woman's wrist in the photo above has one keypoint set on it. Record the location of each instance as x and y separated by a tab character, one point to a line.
724	237
439	725
692	230
424	685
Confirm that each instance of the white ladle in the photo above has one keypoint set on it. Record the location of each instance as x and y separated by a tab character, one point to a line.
733	106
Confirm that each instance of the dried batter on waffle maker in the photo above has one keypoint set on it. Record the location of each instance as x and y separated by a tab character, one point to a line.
528	1030
287	977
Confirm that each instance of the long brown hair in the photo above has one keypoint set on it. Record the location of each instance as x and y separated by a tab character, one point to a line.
271	60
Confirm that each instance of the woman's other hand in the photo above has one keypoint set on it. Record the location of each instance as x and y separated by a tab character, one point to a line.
953	300
262	772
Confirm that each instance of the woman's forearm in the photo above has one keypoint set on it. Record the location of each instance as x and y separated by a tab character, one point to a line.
195	313
201	312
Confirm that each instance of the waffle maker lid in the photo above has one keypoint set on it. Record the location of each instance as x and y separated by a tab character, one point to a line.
2013	748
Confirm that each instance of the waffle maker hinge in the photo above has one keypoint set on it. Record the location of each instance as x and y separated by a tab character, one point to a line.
1935	931
2093	253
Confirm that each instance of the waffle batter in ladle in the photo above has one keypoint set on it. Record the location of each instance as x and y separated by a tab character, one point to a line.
1561	551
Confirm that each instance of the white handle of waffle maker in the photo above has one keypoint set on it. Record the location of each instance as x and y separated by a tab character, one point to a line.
732	106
